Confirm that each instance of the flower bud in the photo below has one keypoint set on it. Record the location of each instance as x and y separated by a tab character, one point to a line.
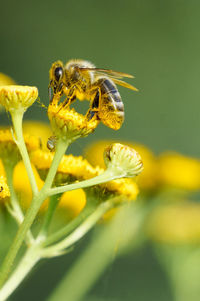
123	160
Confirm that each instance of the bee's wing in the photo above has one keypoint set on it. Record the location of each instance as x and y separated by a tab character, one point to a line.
114	75
124	84
107	72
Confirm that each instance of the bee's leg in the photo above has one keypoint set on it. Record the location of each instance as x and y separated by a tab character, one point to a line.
94	106
68	101
50	92
71	96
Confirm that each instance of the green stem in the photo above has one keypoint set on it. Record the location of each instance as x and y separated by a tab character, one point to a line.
30	258
53	202
61	148
18	214
105	177
31	214
71	226
17	117
80	231
19	238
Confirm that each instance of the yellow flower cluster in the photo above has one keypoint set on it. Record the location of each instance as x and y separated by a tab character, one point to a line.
73	168
70	169
175	224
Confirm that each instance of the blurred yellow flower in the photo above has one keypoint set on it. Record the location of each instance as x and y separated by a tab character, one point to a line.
147	180
73	202
109	214
38	129
4	190
2	170
5	80
178	171
22	185
175	223
8	148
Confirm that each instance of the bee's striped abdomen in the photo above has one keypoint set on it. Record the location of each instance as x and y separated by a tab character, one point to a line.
111	107
109	90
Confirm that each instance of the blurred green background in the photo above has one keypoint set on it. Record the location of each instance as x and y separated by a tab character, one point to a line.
158	42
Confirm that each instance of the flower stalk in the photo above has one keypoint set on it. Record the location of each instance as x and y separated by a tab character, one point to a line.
17	117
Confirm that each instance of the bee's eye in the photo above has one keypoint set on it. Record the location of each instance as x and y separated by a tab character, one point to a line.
58	73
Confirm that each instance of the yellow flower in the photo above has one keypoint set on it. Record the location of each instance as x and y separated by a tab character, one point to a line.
38	129
68	124
126	188
4	190
178	171
5	80
146	181
71	168
17	97
22	185
2	170
123	159
109	214
73	202
175	224
8	148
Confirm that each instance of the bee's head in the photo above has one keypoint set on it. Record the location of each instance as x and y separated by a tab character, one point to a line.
56	74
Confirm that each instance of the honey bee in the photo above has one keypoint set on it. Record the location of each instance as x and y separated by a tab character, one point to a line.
80	79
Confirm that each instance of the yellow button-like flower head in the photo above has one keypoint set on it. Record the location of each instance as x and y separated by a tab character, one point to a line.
17	97
123	160
68	124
